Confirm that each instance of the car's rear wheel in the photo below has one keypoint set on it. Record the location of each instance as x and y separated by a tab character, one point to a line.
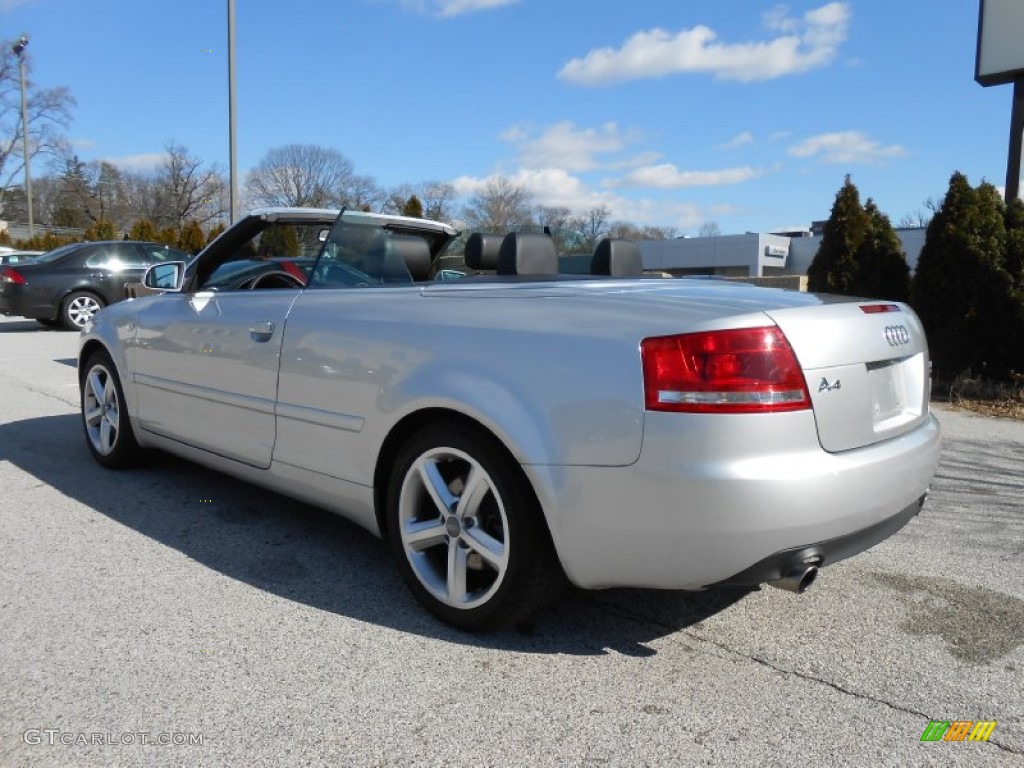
78	308
467	531
108	430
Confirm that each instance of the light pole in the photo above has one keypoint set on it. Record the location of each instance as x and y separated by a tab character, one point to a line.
233	155
19	50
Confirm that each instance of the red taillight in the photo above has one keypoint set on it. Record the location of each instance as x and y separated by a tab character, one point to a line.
874	309
749	370
11	275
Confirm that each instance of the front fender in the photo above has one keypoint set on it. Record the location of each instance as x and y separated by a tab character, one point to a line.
113	329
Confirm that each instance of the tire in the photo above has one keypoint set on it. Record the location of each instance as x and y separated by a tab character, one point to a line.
476	564
108	429
78	308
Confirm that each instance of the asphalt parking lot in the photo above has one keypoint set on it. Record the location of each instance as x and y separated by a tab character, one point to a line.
173	604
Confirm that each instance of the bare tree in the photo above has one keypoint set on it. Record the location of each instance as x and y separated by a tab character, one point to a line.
913	220
186	190
88	191
499	207
627	230
362	193
709	229
143	197
396	197
49	110
304	175
921	218
554	216
438	198
593	225
558	221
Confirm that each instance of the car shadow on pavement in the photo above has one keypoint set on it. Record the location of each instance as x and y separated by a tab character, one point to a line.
308	555
23	326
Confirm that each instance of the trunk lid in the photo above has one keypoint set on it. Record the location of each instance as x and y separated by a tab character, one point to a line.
868	372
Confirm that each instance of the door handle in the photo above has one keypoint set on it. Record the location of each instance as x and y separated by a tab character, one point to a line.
262	331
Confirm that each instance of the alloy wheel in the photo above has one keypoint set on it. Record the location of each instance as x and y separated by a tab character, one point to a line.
81	309
101	410
453	528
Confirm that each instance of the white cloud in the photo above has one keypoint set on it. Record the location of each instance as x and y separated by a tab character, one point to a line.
845	147
563	145
805	44
746	137
634	161
556	187
778	19
547	186
82	144
141	163
449	8
10	5
668	176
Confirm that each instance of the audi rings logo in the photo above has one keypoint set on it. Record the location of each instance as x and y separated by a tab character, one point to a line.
897	335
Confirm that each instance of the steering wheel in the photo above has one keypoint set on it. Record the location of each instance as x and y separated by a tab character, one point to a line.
279	279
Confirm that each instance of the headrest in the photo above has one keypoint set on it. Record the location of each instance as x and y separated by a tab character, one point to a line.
525	253
482	251
382	260
414	253
617	257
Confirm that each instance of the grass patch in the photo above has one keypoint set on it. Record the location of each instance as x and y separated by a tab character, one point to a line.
976	393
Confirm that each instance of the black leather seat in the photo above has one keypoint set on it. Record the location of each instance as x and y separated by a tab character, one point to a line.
526	253
620	258
482	251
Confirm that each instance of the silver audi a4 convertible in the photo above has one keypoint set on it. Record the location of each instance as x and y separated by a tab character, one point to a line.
515	430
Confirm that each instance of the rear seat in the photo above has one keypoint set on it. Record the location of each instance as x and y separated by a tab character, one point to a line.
526	253
482	251
414	253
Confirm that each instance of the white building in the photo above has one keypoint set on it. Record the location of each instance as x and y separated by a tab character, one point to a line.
750	255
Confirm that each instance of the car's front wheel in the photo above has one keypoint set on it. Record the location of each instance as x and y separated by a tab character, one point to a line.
467	531
108	431
78	308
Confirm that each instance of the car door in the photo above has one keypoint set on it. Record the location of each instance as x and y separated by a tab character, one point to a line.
347	346
206	367
205	360
111	265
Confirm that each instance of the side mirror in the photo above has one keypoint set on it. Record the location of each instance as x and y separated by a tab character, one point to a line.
167	276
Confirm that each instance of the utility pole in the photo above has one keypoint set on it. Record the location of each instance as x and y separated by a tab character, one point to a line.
232	150
19	50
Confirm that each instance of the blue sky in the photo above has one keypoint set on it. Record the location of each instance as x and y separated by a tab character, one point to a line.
670	112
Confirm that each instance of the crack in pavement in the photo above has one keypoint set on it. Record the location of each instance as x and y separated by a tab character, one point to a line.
73	403
695	635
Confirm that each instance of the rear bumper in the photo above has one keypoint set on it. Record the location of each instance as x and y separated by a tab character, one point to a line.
17	302
823	553
732	500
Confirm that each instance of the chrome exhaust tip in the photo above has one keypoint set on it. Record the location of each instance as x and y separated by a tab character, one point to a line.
798	580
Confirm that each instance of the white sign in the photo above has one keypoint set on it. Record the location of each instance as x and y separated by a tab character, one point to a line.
1000	56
